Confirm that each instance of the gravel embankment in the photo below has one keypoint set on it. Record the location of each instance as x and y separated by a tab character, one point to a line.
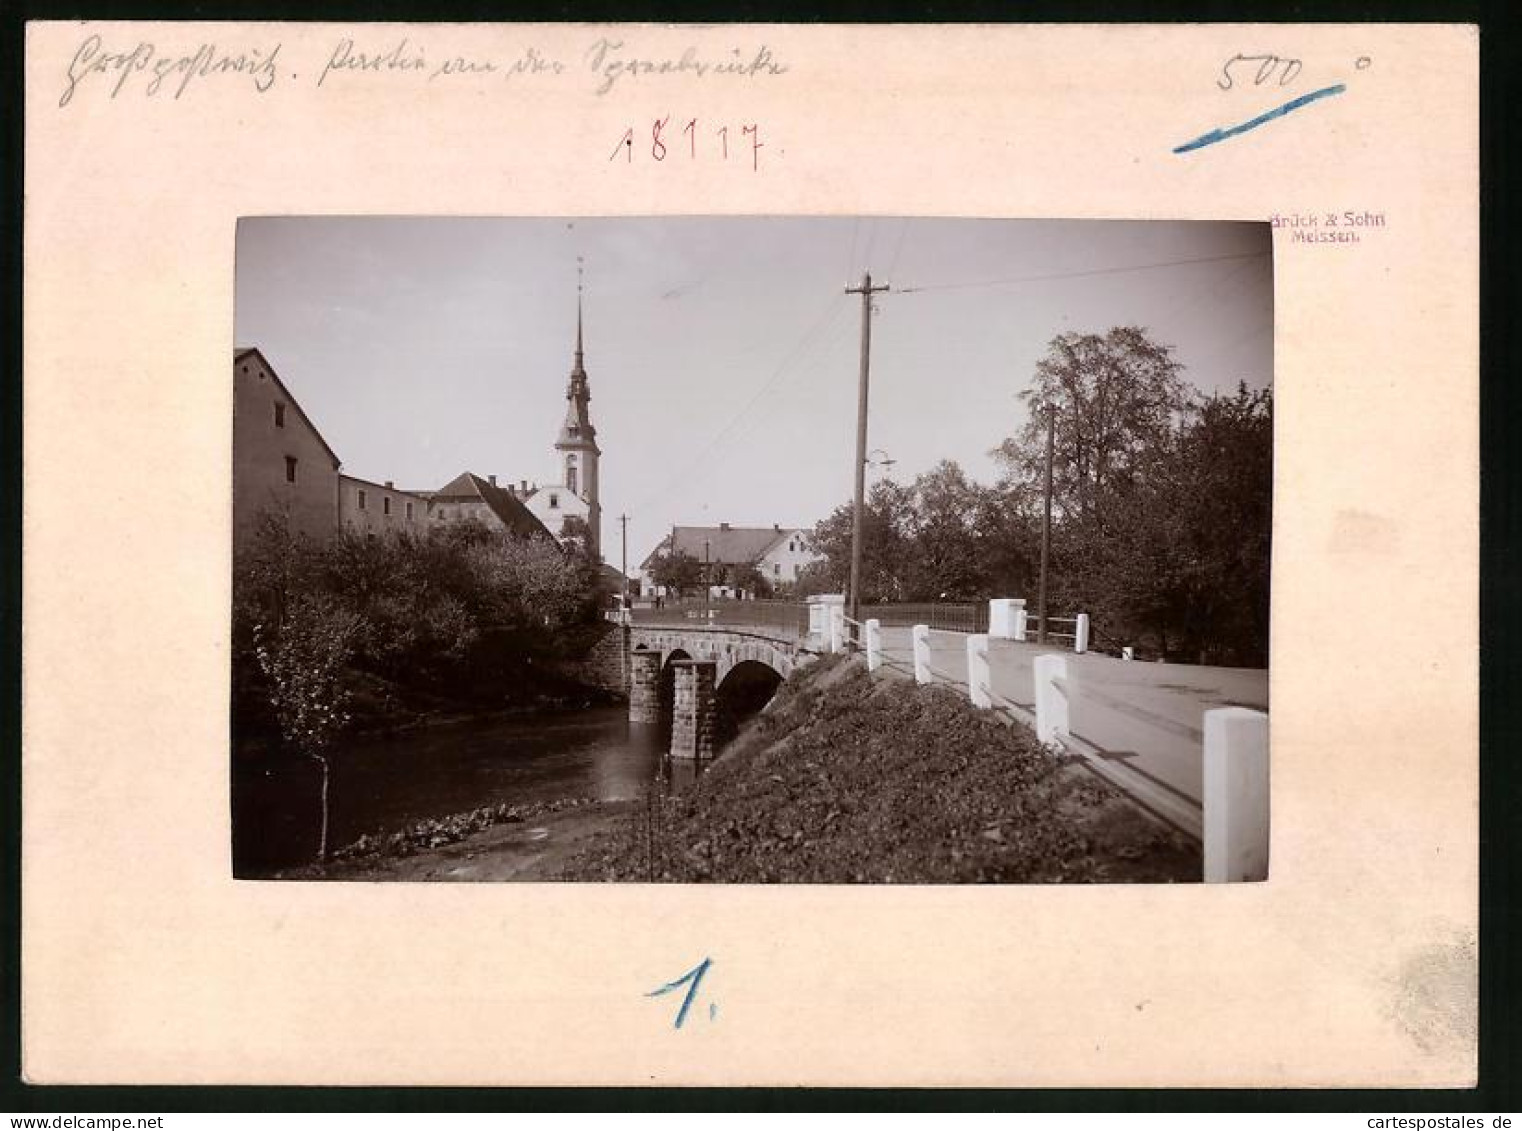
846	779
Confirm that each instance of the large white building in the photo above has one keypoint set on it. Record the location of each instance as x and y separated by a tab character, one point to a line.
779	554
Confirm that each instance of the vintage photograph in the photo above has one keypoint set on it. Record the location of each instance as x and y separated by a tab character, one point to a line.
751	550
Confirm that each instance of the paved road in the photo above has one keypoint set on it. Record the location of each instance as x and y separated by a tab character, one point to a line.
1145	719
1140	725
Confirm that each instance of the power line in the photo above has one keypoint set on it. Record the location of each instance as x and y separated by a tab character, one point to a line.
830	313
1078	274
851	259
903	226
837	330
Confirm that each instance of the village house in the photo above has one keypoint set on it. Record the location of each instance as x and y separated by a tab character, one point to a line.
727	555
283	466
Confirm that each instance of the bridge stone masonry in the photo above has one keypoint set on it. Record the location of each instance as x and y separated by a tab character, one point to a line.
697	677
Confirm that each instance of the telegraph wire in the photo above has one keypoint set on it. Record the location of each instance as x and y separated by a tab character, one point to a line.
831	312
903	227
1078	274
838	331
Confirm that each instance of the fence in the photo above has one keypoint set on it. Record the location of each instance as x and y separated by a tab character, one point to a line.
792	617
1188	742
953	617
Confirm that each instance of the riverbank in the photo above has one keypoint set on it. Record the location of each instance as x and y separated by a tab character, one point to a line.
512	843
428	786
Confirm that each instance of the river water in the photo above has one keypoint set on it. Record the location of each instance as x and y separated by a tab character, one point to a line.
384	783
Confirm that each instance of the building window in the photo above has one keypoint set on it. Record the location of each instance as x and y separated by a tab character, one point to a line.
776	569
554	502
409	512
290	469
279	415
795	569
386	505
361	498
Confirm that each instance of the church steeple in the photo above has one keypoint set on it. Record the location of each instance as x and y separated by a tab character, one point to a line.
576	449
577	431
578	366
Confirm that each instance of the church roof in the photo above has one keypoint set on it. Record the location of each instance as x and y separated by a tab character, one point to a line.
722	544
514	515
578	431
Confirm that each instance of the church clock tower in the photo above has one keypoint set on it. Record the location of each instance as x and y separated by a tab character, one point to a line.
576	450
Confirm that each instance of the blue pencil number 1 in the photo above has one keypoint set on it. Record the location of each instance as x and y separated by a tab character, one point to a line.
692	979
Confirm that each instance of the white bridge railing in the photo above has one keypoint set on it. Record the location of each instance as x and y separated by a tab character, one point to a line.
1216	784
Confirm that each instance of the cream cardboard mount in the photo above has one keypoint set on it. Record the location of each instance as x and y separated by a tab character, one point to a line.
144	962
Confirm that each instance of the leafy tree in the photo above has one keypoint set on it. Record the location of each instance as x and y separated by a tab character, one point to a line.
941	537
304	663
883	547
1222	507
749	578
1160	498
678	571
1114	399
939	530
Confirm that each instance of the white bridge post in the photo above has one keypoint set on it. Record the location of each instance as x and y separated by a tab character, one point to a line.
837	628
1236	795
978	684
1081	634
1003	617
1020	619
874	644
1051	700
920	634
819	628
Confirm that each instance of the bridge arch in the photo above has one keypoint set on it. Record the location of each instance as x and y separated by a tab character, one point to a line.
742	693
748	667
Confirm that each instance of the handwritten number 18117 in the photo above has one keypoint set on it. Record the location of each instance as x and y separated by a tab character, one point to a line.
699	142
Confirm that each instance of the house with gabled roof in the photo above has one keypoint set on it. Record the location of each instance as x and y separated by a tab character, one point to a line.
468	497
281	463
727	554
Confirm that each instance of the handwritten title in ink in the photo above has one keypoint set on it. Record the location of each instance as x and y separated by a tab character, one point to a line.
112	70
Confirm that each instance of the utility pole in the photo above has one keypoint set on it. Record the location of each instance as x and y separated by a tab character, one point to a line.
866	290
1046	523
623	521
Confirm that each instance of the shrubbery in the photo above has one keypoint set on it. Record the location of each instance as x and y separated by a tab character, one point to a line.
464	615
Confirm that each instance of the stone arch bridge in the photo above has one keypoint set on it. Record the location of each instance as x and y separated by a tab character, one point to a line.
703	679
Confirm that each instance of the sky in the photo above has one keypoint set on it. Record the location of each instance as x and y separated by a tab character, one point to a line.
723	354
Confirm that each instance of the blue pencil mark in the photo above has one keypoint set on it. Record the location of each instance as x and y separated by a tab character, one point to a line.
1278	112
695	978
